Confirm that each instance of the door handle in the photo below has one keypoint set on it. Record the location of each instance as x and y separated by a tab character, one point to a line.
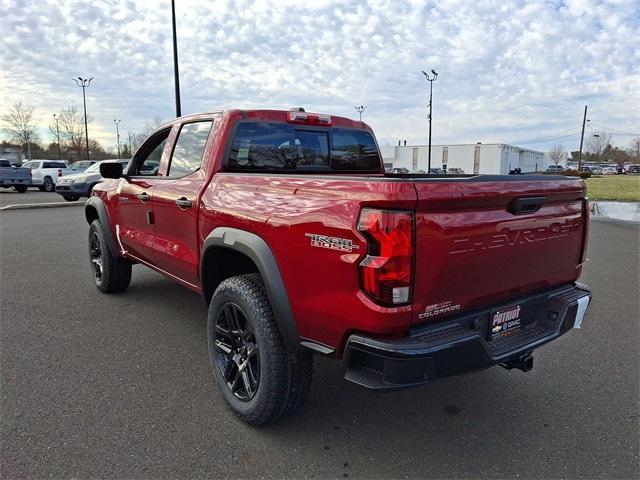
143	197
183	203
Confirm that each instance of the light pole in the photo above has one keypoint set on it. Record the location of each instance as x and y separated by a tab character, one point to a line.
175	58
360	109
55	118
430	80
84	83
117	122
130	147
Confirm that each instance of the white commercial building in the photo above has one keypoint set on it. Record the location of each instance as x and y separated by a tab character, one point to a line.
485	158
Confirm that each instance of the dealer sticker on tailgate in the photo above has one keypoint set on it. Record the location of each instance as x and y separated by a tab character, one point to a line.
505	320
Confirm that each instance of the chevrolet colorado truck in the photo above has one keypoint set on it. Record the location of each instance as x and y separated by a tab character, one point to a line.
300	244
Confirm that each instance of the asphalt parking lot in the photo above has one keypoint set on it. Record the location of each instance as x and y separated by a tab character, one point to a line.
120	386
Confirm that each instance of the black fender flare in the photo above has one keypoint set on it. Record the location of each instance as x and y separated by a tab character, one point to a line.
259	252
96	203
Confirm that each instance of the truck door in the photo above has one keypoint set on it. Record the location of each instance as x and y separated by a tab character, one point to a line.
135	227
175	204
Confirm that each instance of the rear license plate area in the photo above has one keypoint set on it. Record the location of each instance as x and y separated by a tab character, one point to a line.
505	322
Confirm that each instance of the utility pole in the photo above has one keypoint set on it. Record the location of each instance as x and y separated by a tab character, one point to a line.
55	117
430	80
117	122
584	120
360	109
175	59
84	83
130	147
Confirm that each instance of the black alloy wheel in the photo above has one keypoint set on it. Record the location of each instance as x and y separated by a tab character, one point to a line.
95	253
237	354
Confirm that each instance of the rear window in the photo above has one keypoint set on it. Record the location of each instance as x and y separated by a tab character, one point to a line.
264	146
54	165
5	163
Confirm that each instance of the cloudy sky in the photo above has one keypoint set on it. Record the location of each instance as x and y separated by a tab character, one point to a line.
518	72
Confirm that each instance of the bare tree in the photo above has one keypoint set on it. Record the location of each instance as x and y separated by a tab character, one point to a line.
71	124
149	127
557	153
19	124
597	144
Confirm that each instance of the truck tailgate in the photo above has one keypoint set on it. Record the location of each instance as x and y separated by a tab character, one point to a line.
483	240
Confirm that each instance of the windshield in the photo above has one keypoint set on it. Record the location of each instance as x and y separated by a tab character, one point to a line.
93	168
80	166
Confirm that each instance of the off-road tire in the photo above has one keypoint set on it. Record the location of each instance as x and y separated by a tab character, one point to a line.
115	271
284	378
49	186
20	188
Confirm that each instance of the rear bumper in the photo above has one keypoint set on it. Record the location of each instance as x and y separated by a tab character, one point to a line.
462	344
15	182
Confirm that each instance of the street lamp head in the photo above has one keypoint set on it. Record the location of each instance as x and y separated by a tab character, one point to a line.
434	72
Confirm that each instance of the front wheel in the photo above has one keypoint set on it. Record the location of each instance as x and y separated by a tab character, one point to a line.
257	377
111	273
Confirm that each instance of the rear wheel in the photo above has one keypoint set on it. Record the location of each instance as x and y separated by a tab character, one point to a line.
20	188
258	378
111	273
41	188
48	185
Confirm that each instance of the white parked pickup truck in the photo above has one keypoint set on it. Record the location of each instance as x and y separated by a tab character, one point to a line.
45	173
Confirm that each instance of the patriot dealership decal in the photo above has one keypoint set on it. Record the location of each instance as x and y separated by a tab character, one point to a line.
505	320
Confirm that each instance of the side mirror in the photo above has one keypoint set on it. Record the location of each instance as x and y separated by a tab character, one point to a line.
111	170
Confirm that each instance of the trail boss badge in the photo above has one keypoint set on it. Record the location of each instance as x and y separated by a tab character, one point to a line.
332	243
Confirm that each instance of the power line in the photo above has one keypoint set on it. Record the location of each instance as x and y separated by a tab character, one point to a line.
546	139
613	130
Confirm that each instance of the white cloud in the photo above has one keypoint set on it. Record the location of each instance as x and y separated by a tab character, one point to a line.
508	70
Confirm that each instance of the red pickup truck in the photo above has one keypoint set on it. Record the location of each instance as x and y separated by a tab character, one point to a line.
299	243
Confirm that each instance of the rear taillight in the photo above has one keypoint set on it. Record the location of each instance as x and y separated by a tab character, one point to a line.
386	272
59	172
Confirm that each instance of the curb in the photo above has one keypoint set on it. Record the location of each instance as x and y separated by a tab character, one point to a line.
30	206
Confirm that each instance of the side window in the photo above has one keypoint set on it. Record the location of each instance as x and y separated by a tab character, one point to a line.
187	154
147	159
